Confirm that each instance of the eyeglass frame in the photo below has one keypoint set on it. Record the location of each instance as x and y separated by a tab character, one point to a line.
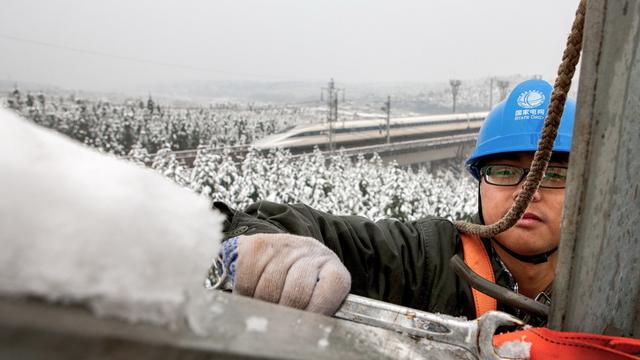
525	171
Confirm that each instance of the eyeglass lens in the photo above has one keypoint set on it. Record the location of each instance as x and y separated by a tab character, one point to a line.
507	175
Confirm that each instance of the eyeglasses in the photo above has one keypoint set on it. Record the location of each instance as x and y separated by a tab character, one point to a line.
507	175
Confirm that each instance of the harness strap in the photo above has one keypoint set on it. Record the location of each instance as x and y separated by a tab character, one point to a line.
476	257
550	344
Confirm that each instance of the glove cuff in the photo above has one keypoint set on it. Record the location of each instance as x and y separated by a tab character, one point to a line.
229	253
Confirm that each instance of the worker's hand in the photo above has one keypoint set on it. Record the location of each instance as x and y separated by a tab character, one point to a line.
291	270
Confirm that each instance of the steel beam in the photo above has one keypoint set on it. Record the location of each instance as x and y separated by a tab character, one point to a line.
220	326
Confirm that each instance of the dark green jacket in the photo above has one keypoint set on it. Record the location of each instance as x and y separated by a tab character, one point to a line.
405	263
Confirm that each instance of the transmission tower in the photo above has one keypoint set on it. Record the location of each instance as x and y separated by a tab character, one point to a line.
455	84
332	109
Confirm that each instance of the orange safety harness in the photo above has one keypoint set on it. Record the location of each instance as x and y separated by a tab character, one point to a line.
476	257
546	343
562	345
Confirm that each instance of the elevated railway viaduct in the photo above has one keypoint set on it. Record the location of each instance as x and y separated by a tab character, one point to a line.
407	141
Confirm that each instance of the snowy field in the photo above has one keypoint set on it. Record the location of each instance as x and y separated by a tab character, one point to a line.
117	128
333	184
338	185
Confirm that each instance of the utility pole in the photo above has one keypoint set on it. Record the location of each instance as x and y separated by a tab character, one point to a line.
503	85
596	288
332	109
387	108
455	84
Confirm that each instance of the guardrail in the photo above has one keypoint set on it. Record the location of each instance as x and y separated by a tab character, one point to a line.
188	156
406	145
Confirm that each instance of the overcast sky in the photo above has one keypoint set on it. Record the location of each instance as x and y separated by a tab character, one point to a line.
116	44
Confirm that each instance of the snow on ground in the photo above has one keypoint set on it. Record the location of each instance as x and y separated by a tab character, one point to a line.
334	184
119	128
80	226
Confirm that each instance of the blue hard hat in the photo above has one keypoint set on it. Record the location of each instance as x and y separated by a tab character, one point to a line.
515	124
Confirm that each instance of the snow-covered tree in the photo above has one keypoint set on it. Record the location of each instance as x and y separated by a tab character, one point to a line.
165	162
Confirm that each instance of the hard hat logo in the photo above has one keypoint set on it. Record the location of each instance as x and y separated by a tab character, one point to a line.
514	124
531	99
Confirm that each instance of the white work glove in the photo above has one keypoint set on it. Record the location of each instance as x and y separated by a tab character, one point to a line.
291	270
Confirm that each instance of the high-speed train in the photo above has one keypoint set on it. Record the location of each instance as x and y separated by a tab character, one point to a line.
355	133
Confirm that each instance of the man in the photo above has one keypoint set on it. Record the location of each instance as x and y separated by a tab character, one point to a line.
301	257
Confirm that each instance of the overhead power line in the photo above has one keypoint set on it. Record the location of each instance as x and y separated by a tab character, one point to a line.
140	60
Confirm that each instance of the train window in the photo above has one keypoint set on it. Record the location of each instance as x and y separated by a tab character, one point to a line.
378	127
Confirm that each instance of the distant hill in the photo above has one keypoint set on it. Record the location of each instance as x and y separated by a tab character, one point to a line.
406	97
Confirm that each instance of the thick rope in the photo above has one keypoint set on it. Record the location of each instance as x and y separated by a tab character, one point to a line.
542	156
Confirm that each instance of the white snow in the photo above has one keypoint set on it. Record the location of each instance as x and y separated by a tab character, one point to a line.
518	349
80	226
216	309
323	342
334	184
256	324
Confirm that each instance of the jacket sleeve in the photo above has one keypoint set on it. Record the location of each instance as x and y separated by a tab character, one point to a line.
389	260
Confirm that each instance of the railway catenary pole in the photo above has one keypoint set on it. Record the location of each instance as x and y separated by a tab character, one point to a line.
332	109
503	85
387	108
330	114
455	84
330	95
491	80
335	121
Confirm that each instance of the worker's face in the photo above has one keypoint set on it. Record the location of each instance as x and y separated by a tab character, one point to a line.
539	229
